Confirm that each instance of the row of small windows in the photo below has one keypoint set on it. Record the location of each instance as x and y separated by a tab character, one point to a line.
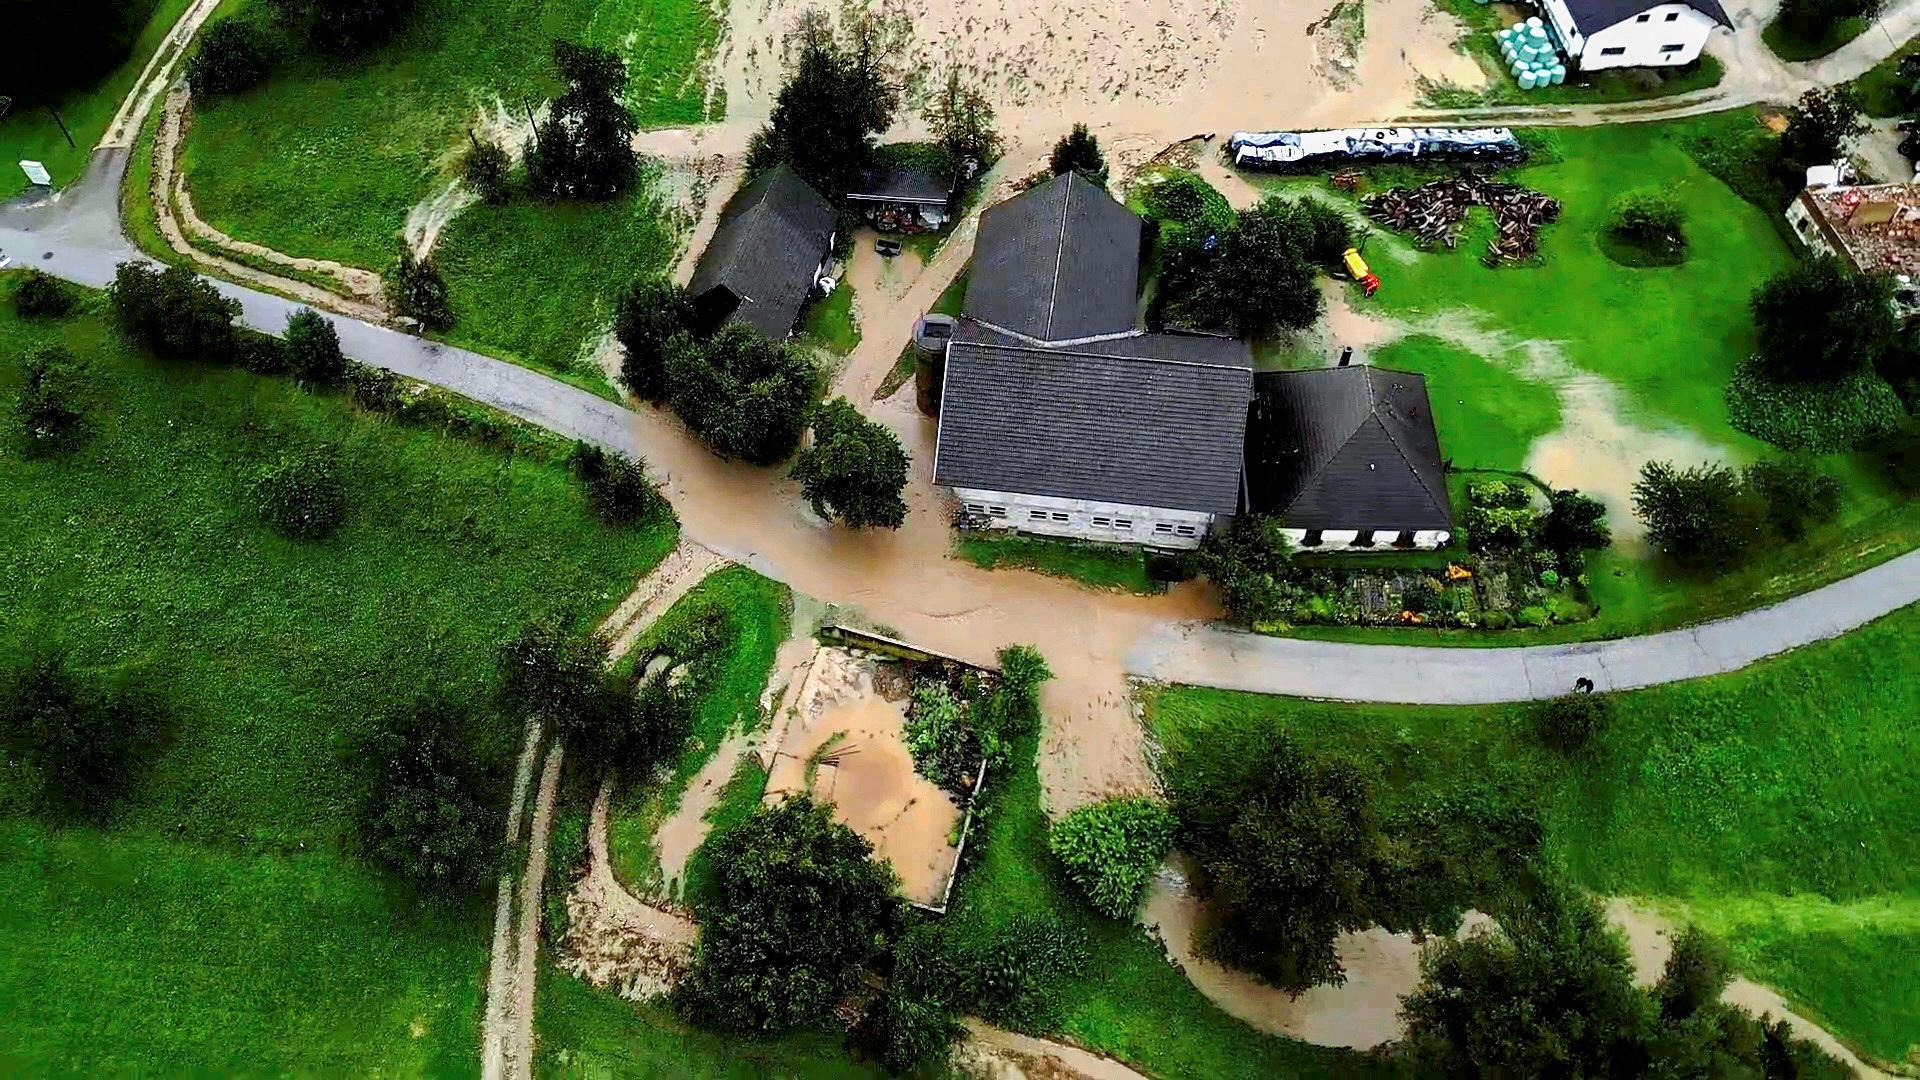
1116	524
1672	16
1621	50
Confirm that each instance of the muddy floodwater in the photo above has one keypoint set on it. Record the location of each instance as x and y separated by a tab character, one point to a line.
845	743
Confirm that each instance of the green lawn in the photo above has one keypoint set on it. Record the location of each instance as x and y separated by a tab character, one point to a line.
1876	87
1517	352
586	1032
1793	47
1776	805
1131	1003
31	134
327	157
130	952
761	610
829	323
1100	566
218	926
1482	21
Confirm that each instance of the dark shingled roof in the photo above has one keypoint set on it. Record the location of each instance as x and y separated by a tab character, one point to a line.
1346	448
1100	422
771	240
1058	262
1593	16
903	183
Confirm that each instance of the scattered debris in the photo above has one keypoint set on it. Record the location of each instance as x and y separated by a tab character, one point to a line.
1433	212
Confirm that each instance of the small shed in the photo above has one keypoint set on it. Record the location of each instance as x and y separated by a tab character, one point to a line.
774	244
905	198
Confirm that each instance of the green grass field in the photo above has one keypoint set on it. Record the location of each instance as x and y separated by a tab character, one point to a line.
762	614
31	134
326	158
217	925
829	323
586	1032
1515	353
1794	47
1775	806
1130	1003
1098	566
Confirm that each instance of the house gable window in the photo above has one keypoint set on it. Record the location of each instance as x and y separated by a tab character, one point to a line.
1617	50
1643	17
1671	48
1673	16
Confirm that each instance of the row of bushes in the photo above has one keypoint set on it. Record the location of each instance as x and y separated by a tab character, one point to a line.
177	314
1709	516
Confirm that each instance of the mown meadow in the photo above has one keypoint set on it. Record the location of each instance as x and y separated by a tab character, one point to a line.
220	919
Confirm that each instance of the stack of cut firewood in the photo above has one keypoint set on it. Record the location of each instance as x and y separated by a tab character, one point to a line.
1433	212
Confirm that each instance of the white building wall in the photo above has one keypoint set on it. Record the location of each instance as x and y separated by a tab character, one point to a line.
1664	36
1807	229
1382	539
1083	519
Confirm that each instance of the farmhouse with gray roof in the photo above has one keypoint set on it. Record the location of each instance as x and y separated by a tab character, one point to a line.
1348	457
1057	264
774	242
1060	416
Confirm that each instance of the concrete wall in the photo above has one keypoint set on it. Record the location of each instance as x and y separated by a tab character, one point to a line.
1082	519
1648	43
1382	540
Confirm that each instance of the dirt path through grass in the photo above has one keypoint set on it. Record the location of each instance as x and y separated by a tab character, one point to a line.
124	128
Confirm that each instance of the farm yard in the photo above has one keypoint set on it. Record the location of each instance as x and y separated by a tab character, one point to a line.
759	841
1575	368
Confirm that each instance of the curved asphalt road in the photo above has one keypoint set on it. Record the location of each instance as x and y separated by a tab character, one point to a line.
76	235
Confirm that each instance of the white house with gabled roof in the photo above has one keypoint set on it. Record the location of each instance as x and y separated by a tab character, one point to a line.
1601	34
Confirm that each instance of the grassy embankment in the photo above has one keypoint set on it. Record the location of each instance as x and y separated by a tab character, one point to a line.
30	134
1774	806
1514	354
223	889
1482	21
760	610
1099	566
328	156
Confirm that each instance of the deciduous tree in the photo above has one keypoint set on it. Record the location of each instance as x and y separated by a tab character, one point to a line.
797	908
428	813
745	396
837	97
174	312
855	470
962	119
417	291
86	737
1079	151
313	348
584	148
1820	320
52	404
1821	126
1692	515
649	313
233	56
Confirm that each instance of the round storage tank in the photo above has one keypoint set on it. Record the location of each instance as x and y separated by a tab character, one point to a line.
931	333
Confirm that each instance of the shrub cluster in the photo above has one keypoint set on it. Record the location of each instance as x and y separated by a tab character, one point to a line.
1499	516
1851	412
1708	516
1572	723
303	495
1111	850
1178	199
417	291
41	296
799	906
313	348
1256	277
86	737
233	55
429	811
744	396
617	486
173	312
52	399
1650	217
485	170
950	736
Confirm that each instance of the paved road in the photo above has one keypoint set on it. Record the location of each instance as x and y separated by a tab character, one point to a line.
76	236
